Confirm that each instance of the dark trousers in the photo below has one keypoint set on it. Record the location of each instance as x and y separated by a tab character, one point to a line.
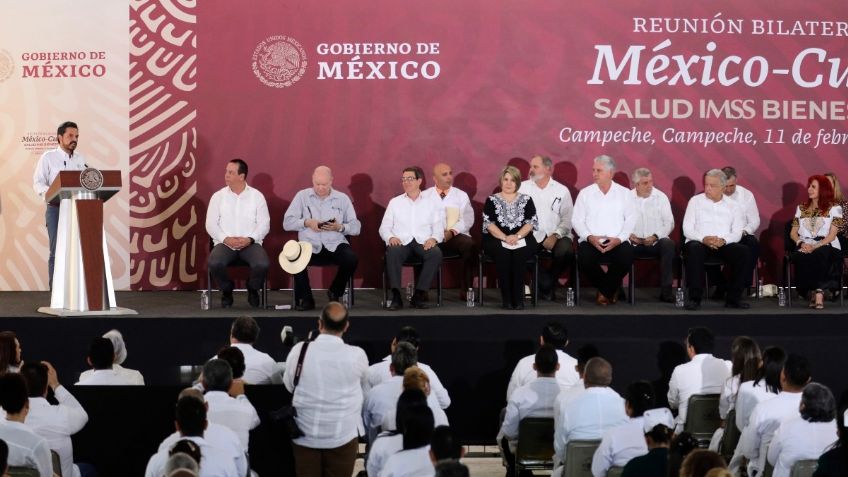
563	255
51	219
734	255
664	249
463	246
396	255
346	260
818	269
618	259
336	462
511	266
753	246
222	256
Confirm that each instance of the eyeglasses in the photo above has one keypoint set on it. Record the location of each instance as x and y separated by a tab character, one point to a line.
408	179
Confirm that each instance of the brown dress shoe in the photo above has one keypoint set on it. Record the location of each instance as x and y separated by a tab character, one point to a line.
602	300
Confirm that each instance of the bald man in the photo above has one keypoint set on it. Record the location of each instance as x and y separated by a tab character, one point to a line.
323	217
458	219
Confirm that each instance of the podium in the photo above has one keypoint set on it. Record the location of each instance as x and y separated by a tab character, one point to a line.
82	277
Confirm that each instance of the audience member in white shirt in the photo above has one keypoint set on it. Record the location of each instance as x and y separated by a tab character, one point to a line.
584	354
704	374
556	335
764	386
101	358
553	208
414	459
412	225
415	378
589	415
131	375
624	442
390	442
379	372
181	464
328	397
806	436
650	237
745	361
604	217
228	406
57	423
767	416
26	448
534	399
712	227
237	220
445	446
259	366
458	216
746	201
191	424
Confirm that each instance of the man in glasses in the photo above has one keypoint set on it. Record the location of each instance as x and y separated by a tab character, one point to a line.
553	207
412	225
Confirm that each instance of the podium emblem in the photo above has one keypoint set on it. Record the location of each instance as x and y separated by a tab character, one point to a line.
91	179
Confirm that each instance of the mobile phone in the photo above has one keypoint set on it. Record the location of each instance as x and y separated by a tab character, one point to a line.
331	221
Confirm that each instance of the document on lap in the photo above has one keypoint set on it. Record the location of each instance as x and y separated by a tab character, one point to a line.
519	244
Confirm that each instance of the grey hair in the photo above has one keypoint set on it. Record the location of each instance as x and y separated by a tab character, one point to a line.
729	171
546	161
718	174
640	173
217	375
117	340
607	161
181	461
818	403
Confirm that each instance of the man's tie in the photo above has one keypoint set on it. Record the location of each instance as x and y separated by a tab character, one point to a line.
442	194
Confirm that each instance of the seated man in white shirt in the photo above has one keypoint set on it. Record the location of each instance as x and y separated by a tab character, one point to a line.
703	374
767	415
589	415
101	356
624	442
556	335
328	397
56	423
120	348
713	227
237	220
459	217
534	399
445	446
584	354
26	448
380	372
653	226
412	225
228	406
259	366
553	208
388	443
746	201
604	217
191	424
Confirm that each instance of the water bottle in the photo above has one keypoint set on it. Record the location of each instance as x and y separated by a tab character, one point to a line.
346	298
781	297
204	300
409	291
678	298
569	297
760	288
470	302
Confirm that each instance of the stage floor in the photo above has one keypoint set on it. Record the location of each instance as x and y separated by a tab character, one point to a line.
368	302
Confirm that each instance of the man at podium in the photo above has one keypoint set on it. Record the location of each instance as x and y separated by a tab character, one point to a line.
237	220
63	158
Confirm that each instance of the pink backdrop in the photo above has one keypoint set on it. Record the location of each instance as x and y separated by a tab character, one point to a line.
512	75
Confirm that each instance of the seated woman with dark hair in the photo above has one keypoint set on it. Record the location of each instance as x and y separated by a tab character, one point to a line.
509	218
806	436
814	230
414	459
10	353
834	462
626	441
764	386
657	427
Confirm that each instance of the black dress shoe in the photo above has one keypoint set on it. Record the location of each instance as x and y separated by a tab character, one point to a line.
396	303
227	300
253	298
332	296
519	306
305	304
719	293
419	300
692	305
667	296
739	305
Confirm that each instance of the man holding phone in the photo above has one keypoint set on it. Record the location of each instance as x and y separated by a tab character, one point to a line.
323	217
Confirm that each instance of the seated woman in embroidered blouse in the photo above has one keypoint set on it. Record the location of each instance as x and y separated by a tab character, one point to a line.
509	218
814	231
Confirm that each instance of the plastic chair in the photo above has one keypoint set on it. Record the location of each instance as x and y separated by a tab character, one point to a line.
702	418
57	463
22	472
263	295
730	438
535	448
578	458
804	468
615	471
